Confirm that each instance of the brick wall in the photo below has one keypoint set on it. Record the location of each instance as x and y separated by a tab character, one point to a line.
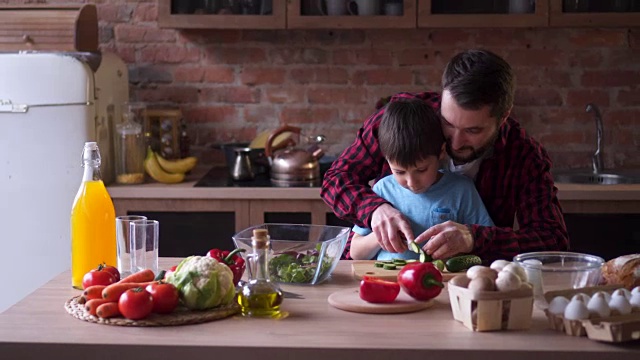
233	84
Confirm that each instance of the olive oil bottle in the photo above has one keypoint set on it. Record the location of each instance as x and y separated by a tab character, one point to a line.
260	297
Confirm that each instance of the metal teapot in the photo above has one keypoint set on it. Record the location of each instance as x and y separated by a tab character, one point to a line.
294	166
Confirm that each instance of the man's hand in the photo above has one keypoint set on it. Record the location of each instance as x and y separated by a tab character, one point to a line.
447	239
389	225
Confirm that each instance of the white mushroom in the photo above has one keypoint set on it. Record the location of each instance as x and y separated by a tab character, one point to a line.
481	283
497	265
517	270
507	281
481	271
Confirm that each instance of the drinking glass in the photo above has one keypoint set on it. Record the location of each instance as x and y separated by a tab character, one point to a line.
123	242
144	245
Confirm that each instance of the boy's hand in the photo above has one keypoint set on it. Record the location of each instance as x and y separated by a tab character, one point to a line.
447	239
391	228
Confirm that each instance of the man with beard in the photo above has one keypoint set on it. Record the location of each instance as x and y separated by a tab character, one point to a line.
511	170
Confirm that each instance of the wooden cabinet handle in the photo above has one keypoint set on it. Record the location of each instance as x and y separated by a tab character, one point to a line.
27	39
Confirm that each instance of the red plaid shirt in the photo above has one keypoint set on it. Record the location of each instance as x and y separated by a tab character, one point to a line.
514	181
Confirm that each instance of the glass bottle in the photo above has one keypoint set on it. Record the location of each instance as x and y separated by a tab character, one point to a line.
130	146
260	297
93	220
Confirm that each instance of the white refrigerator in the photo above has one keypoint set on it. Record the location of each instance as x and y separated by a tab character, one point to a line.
48	110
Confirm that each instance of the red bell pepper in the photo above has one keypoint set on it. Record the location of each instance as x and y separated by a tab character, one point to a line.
232	259
422	281
376	290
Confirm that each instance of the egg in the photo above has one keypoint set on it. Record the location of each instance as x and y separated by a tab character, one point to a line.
606	295
636	290
635	302
557	305
576	309
598	306
622	292
619	305
585	298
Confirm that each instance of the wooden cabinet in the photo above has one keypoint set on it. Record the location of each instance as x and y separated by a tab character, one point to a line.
442	13
190	226
170	16
581	13
297	19
304	14
194	226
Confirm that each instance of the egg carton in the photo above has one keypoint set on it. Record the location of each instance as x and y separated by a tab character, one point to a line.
618	328
491	310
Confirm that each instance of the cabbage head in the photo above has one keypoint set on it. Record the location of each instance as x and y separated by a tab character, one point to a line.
203	283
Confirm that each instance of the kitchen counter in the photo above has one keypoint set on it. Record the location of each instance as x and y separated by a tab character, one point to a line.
39	326
574	198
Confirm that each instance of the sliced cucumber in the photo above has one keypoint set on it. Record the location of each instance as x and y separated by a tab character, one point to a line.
378	264
439	264
389	267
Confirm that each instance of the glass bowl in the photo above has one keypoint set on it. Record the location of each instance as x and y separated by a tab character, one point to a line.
559	270
299	254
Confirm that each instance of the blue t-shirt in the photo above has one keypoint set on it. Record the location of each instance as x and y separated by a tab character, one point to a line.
454	197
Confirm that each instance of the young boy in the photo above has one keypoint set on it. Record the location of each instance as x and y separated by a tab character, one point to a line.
413	144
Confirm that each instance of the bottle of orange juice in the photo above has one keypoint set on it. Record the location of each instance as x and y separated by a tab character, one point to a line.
93	222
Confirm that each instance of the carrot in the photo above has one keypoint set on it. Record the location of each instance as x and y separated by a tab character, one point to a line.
113	291
92	305
108	310
94	292
141	276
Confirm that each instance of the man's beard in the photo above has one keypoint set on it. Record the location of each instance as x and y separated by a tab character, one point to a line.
475	153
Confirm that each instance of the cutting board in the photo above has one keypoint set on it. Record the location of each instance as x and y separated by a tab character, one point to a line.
349	300
361	268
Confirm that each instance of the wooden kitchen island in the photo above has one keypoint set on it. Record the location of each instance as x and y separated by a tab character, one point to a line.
39	327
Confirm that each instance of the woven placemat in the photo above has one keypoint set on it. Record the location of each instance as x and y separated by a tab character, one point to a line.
181	316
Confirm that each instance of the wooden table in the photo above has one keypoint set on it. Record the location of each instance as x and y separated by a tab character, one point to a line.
38	326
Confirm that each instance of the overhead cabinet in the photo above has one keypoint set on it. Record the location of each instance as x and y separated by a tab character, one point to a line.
395	14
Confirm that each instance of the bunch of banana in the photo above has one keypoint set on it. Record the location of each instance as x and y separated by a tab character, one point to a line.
167	171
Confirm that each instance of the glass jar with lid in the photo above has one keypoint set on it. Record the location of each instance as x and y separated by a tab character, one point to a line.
130	145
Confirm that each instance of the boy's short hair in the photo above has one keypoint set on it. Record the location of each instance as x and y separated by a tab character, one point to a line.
410	131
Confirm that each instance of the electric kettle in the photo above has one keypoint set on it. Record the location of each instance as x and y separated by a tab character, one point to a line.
294	166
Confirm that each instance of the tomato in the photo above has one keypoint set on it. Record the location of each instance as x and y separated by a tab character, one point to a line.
98	276
113	270
165	297
135	304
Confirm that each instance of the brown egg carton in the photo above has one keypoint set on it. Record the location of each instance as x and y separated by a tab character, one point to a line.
491	310
617	328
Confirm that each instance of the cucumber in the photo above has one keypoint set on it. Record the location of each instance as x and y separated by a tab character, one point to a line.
439	264
417	249
389	267
424	257
378	264
462	262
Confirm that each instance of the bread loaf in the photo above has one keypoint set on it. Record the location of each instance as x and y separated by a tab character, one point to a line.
623	270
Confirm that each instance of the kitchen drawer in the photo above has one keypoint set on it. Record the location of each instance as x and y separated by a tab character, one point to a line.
605	235
192	233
